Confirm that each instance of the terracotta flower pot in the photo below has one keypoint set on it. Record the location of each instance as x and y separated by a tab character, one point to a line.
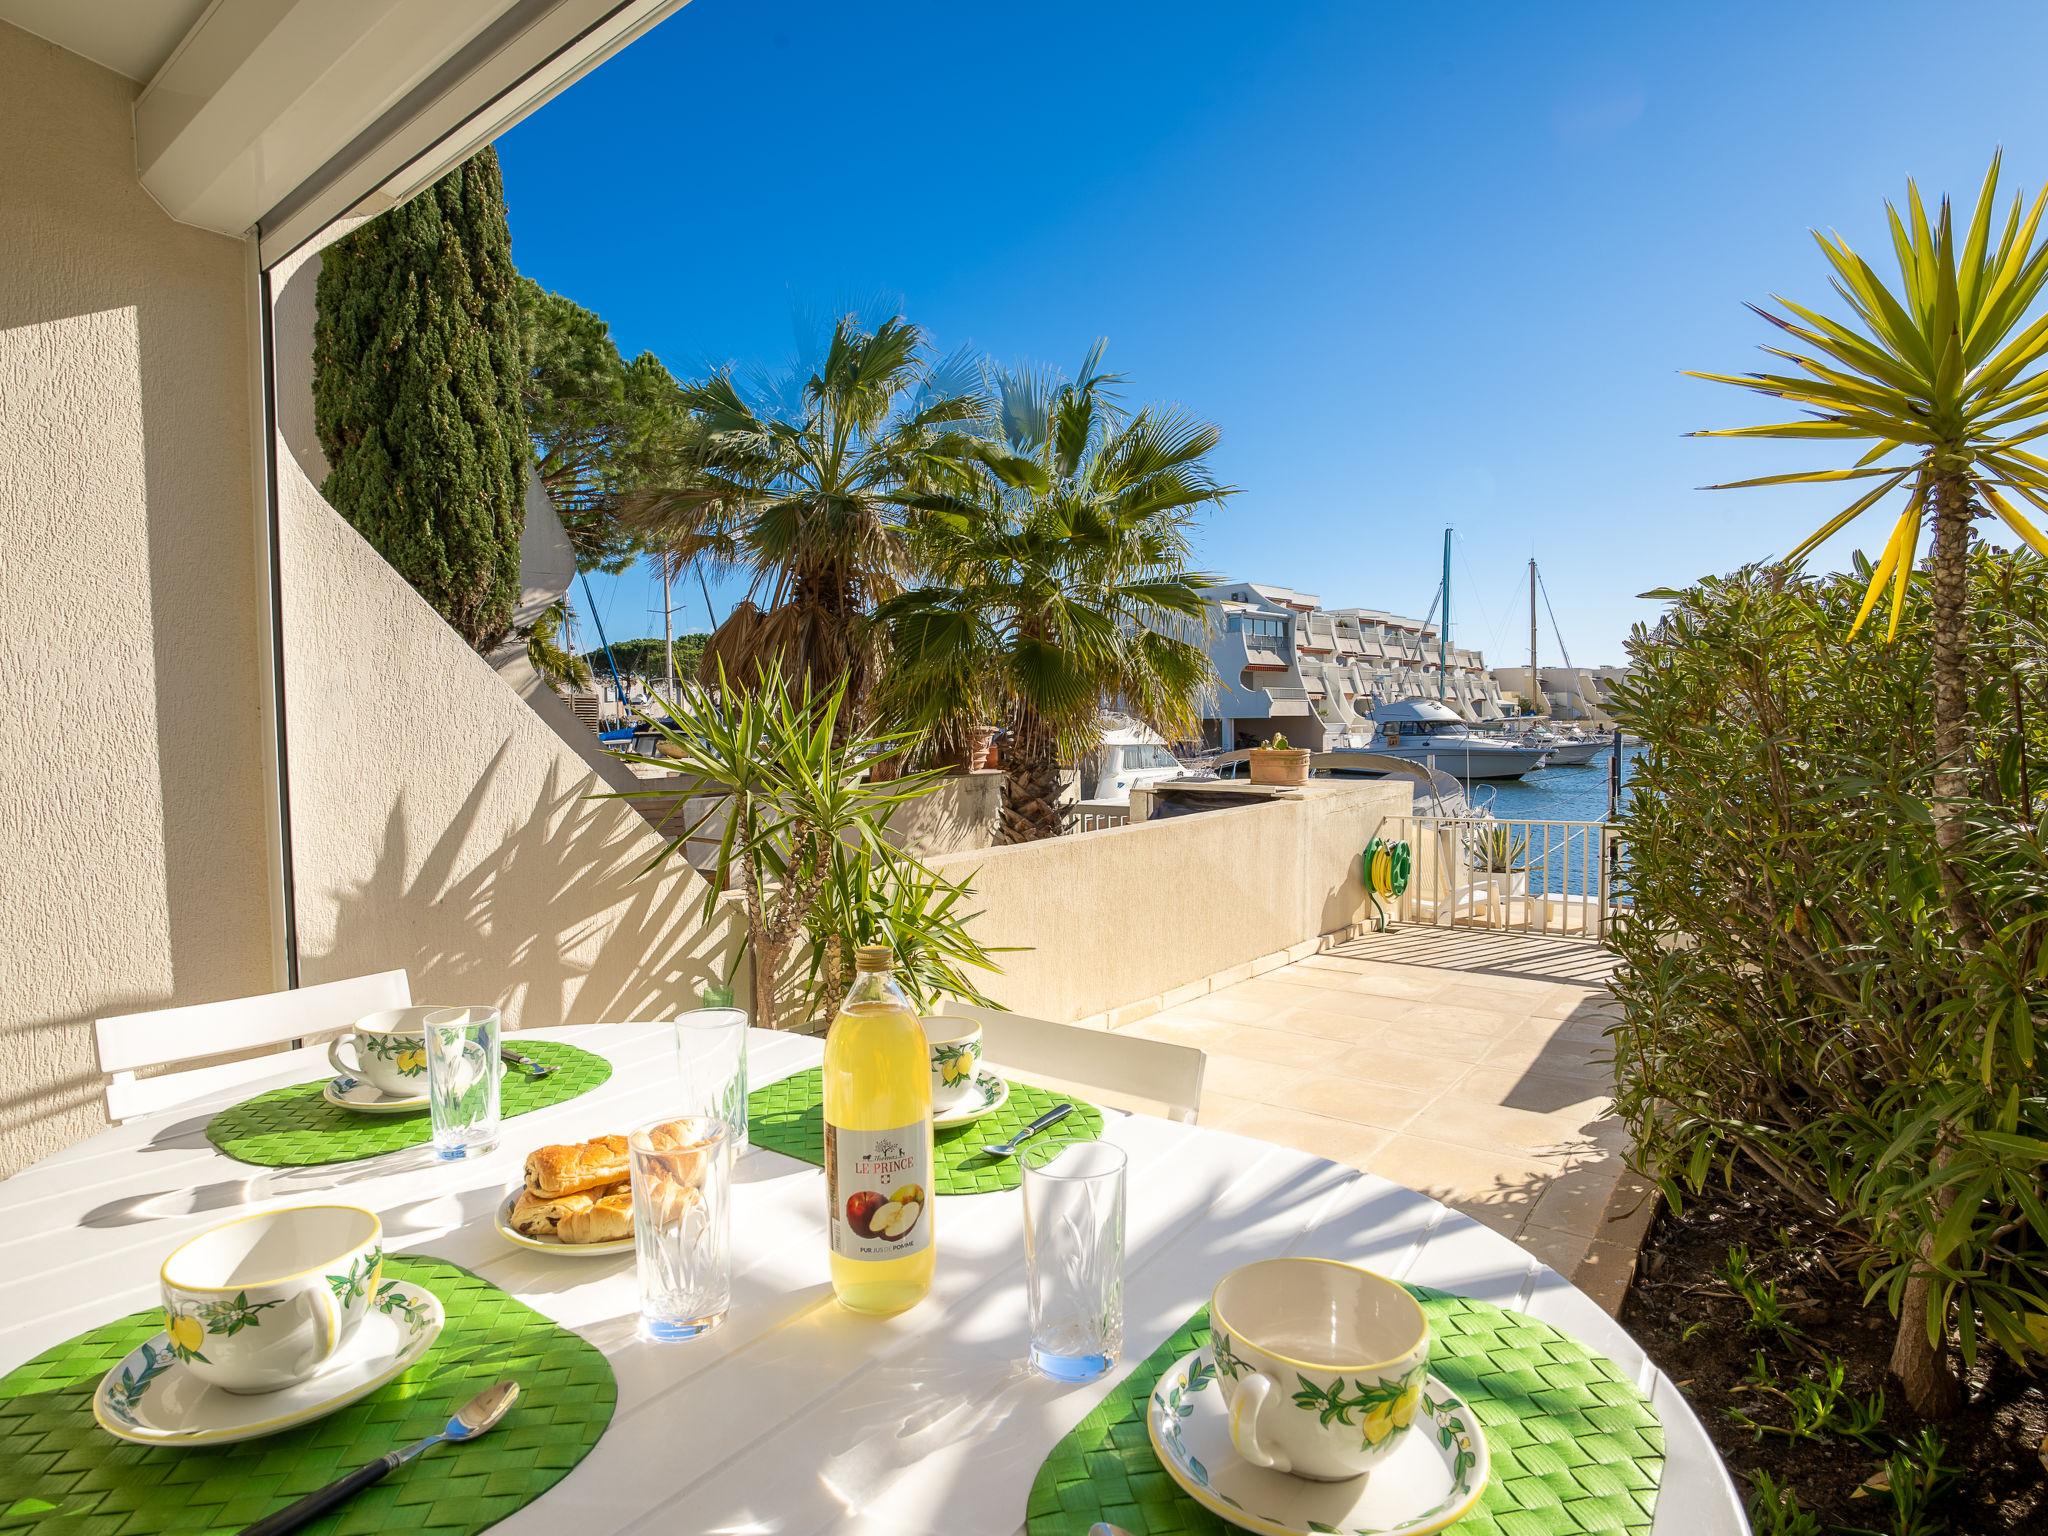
1281	767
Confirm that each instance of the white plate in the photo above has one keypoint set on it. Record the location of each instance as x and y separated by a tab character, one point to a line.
367	1098
553	1244
989	1092
1432	1478
152	1399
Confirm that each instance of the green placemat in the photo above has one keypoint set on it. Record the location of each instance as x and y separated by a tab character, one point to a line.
61	1473
1575	1446
295	1128
789	1117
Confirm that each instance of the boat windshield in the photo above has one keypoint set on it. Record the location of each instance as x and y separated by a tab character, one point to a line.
1148	755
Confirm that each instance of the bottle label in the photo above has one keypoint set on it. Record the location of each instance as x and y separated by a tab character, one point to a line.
879	1183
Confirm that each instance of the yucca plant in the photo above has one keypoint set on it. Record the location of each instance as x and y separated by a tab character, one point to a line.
793	788
1939	381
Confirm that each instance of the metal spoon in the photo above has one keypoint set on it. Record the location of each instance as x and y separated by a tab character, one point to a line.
1008	1148
1104	1528
526	1064
473	1418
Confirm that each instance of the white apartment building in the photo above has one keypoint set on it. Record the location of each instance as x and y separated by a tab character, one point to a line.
1286	664
1569	693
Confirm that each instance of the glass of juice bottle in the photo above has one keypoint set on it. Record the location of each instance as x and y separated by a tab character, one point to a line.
878	1144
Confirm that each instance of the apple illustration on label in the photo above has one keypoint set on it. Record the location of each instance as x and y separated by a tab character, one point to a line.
861	1206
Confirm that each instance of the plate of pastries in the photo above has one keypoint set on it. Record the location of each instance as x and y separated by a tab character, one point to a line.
574	1199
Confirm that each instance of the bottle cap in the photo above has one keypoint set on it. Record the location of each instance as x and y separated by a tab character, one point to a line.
874	957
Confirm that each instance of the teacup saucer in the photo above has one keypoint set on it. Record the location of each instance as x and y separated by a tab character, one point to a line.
989	1091
1433	1477
366	1098
153	1399
518	1239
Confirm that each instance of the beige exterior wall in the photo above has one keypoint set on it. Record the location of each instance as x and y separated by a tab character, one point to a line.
1112	918
132	820
438	822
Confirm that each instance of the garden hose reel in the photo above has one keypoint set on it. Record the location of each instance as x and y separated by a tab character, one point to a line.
1387	868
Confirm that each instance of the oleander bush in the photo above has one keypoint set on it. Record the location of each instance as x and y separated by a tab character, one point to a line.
1797	1002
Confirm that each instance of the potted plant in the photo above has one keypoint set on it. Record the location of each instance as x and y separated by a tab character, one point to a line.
1276	763
1497	859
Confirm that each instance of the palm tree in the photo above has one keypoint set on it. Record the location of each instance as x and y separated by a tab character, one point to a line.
1936	382
809	502
1059	584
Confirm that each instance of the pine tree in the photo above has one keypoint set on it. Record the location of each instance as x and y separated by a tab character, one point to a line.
418	363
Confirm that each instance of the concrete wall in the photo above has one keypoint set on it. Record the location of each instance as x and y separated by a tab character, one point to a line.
133	870
1114	918
438	822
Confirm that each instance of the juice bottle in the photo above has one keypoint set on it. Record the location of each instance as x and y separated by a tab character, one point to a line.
878	1144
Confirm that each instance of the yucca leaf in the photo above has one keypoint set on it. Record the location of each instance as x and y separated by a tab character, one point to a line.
2018	521
1843	518
1802	477
1881	577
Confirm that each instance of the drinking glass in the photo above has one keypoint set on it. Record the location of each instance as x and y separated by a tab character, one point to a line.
1074	1256
462	1079
682	1225
711	1056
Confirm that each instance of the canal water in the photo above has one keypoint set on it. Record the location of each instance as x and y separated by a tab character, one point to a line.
1554	794
1557	794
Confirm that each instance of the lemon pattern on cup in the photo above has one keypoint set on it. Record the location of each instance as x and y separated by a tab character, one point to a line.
956	1063
188	1330
1382	1406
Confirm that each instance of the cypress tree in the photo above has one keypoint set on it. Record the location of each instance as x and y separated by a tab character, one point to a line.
418	363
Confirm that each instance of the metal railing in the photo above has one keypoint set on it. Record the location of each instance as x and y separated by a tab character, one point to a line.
1512	876
1102	821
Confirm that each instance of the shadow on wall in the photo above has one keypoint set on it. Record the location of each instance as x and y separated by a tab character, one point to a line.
607	945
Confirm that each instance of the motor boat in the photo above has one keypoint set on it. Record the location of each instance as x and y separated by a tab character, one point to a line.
1568	747
1422	730
1129	755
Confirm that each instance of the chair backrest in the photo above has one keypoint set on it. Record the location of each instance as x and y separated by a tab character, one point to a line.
1151	1071
168	1036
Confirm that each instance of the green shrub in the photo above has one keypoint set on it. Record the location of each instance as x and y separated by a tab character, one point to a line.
1796	1001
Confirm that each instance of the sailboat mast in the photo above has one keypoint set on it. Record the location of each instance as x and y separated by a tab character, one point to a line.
1443	634
1535	686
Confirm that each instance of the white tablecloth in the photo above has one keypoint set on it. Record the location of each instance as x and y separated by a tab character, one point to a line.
796	1417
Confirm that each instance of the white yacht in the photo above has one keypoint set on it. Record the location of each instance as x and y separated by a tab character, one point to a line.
1422	730
1568	746
1129	755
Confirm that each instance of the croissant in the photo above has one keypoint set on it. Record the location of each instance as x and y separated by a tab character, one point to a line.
566	1170
538	1217
608	1218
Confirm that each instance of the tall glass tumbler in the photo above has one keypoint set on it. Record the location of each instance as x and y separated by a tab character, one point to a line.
682	1225
711	1059
1074	1256
462	1079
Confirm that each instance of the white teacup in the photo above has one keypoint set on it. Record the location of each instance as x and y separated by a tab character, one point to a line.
264	1301
1321	1364
390	1051
954	1049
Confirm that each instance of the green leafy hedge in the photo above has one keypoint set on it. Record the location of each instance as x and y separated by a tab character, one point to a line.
1796	1002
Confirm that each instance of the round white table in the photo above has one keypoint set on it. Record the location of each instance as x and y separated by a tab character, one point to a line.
795	1416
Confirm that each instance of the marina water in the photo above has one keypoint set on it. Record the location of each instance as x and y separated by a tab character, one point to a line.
1557	794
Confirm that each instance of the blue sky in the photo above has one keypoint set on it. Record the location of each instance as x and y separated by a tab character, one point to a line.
1421	264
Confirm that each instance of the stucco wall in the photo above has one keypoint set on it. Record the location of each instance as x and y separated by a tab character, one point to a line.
1114	917
132	822
438	823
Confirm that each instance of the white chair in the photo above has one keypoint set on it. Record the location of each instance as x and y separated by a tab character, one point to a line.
1118	1066
172	1036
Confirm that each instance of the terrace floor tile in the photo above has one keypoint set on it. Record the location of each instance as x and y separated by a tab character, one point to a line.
1471	1066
